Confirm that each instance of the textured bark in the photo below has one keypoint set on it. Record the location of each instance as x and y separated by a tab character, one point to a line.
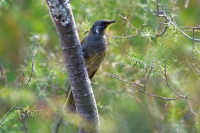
80	84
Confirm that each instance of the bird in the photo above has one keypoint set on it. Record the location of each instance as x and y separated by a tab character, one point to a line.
94	47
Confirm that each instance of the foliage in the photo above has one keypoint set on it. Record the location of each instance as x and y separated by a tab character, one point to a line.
137	69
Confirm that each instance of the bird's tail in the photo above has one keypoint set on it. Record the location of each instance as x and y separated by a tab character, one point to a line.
69	104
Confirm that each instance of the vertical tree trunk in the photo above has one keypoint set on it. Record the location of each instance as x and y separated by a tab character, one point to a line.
80	84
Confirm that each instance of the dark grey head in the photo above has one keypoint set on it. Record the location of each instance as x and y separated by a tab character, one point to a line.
100	27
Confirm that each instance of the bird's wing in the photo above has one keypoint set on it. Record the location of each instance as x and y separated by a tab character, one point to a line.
83	44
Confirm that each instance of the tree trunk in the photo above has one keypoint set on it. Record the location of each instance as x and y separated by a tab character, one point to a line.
80	84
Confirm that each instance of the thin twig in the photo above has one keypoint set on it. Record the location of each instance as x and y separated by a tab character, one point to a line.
157	96
127	21
196	58
168	21
122	37
171	22
148	75
192	67
161	13
7	114
22	77
191	27
188	74
186	101
32	69
58	124
152	95
197	51
23	122
167	84
1	69
125	81
163	31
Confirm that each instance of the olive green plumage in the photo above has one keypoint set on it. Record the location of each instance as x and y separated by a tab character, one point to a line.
94	47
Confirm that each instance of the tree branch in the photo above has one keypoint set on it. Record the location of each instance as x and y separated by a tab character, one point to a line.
73	56
7	114
161	13
32	70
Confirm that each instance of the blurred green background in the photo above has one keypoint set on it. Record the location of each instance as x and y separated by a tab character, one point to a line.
26	23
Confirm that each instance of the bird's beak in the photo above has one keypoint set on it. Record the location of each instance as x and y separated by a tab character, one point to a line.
108	23
112	21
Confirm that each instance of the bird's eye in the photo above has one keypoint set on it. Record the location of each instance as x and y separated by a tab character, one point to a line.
101	24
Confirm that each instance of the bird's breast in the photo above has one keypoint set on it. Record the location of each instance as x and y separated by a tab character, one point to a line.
94	62
94	50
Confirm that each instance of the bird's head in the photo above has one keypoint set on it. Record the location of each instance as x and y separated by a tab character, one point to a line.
100	27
